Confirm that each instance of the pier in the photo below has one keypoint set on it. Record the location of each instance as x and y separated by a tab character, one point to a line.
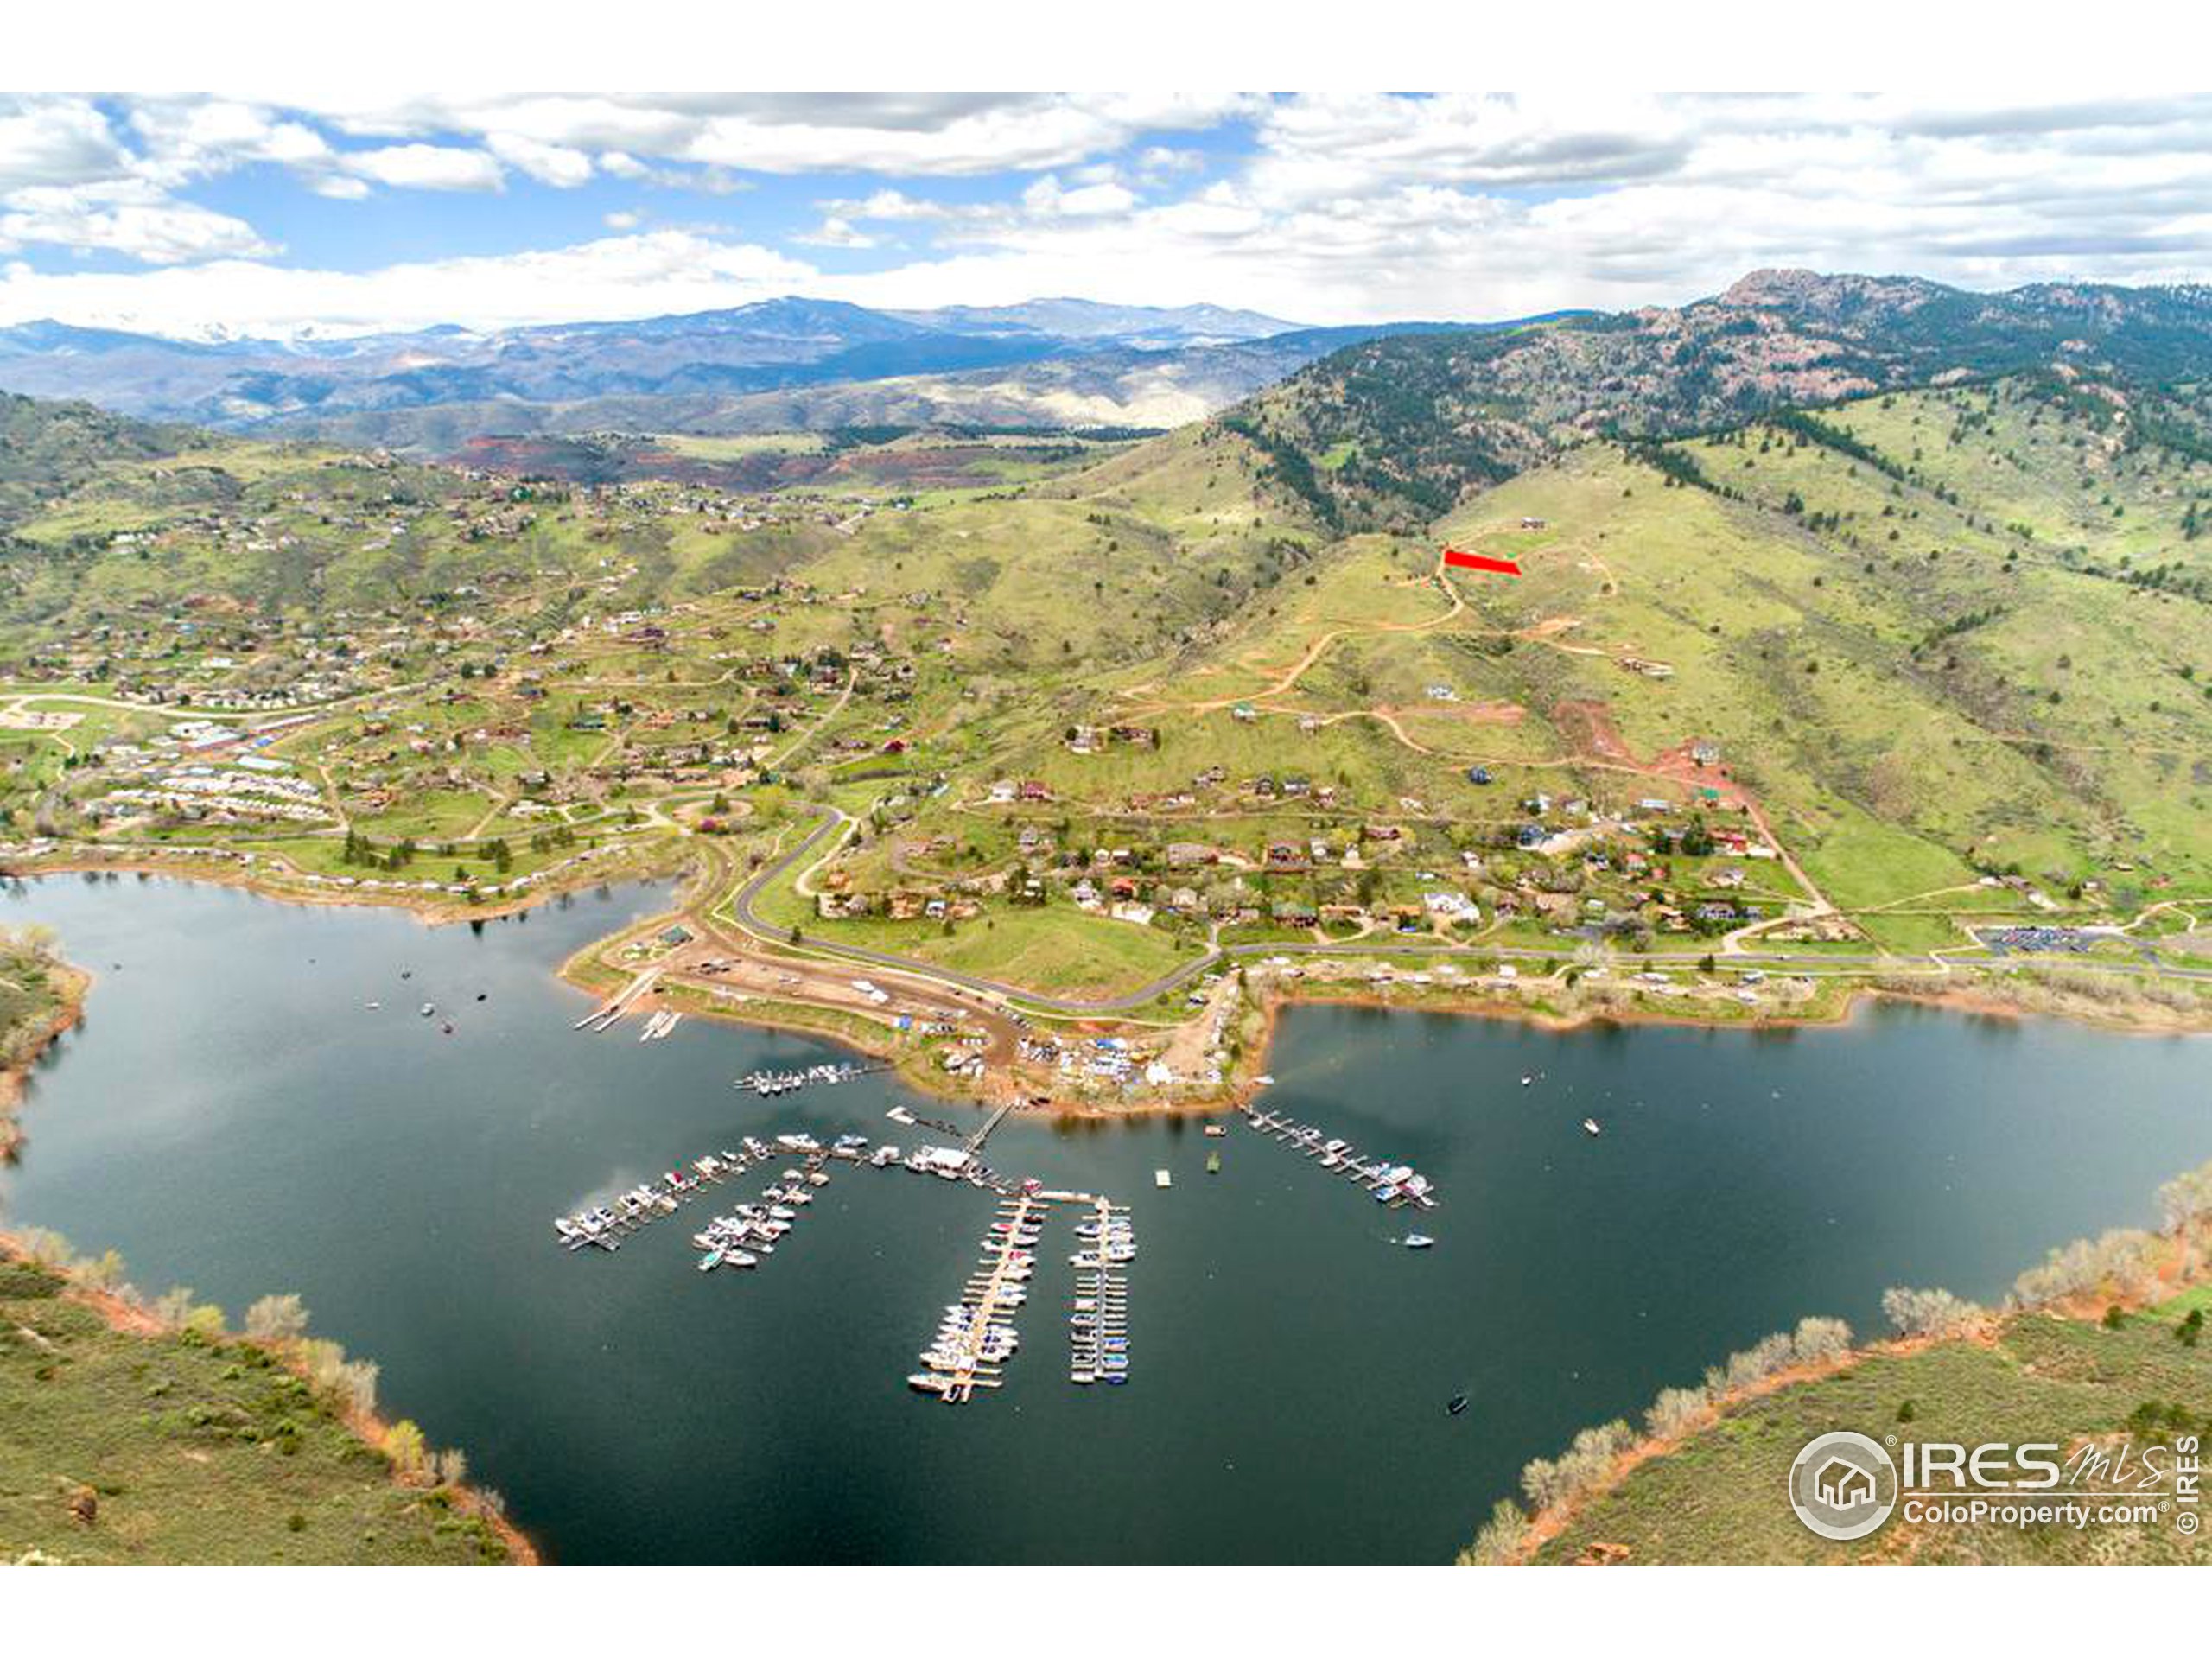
973	1343
1394	1184
976	1141
764	1082
1099	1320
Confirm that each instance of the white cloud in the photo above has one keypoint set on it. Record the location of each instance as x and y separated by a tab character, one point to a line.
835	233
553	164
127	218
897	135
621	221
424	167
58	141
616	276
1046	197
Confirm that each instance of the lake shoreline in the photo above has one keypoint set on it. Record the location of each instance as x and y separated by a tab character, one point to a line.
74	983
2135	1017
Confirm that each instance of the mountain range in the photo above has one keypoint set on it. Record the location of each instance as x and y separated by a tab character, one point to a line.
1385	423
779	364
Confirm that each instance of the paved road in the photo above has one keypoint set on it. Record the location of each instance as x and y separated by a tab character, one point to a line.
741	907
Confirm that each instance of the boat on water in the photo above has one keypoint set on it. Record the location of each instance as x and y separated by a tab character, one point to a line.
1213	1163
1590	1126
1417	1241
710	1261
430	1008
1457	1404
1215	1130
1161	1178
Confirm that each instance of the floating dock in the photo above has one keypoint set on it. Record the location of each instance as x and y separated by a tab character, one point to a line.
1098	1319
976	1337
764	1082
1393	1184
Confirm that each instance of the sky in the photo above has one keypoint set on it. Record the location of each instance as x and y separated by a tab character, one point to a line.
196	216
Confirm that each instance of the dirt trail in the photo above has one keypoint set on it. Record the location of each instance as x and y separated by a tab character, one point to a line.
1313	652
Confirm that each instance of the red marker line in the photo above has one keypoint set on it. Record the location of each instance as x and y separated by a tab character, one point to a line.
1452	556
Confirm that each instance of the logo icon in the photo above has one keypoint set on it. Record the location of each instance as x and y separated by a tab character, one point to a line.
1843	1485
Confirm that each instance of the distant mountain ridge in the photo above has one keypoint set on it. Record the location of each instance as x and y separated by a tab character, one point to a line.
794	360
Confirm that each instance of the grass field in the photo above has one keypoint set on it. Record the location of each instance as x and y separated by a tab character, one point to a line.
2045	1378
189	1449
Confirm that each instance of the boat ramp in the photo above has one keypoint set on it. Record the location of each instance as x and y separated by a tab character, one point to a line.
603	1017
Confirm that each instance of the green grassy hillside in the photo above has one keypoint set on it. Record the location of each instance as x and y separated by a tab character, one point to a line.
191	1445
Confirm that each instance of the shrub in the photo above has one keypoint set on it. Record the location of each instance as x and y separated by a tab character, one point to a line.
1677	1411
1818	1339
1926	1312
1501	1537
2125	1259
276	1318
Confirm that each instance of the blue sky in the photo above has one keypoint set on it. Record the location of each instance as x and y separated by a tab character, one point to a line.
203	214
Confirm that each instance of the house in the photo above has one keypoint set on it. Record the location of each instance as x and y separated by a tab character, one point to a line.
1183	855
1295	913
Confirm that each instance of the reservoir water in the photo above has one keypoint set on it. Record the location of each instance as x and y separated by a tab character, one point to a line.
233	1117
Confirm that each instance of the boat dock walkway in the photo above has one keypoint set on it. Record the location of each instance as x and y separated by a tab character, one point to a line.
765	1082
1395	1184
978	1336
1099	1320
976	1141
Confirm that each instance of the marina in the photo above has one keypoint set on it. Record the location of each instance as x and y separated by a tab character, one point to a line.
620	1399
